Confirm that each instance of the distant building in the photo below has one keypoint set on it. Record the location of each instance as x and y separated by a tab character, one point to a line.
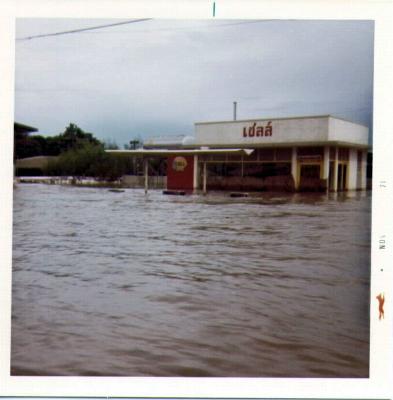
30	166
33	166
21	130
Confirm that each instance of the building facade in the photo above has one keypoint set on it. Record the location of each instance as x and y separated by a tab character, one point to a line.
312	153
315	153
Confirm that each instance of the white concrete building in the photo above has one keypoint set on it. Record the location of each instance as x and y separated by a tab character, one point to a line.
324	148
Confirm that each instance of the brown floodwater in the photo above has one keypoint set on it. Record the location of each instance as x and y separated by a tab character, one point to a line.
123	284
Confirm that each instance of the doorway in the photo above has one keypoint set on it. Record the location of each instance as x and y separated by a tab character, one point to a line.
310	177
331	175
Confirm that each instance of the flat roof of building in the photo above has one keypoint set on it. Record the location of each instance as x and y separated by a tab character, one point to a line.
278	119
24	128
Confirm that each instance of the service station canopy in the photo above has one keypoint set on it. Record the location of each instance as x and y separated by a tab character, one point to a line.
166	152
147	153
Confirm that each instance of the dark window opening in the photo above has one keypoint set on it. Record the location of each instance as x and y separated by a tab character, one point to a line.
267	169
310	171
310	151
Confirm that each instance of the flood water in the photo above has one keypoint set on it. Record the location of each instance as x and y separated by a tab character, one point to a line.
123	284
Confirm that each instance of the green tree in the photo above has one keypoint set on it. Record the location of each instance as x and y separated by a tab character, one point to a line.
28	147
135	143
72	137
89	160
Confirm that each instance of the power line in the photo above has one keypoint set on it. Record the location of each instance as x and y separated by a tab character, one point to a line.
83	30
214	25
133	21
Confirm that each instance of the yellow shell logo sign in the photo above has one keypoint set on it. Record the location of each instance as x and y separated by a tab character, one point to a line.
179	164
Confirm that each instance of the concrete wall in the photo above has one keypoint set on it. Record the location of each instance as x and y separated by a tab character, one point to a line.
344	131
284	131
39	162
136	181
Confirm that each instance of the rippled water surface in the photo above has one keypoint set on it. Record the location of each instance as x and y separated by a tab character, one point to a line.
126	284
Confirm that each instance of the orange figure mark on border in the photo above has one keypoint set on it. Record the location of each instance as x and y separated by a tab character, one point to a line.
381	301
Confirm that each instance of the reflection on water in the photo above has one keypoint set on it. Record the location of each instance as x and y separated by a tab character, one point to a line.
122	284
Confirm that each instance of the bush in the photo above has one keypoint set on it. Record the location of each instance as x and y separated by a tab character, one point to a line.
90	160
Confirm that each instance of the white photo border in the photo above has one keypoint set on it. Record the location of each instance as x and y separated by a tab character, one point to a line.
378	385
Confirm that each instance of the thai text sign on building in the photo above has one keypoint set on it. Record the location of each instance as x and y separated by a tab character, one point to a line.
258	130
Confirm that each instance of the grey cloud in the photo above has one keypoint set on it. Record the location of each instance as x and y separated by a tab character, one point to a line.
160	76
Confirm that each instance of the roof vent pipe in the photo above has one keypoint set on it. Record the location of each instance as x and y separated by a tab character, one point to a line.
234	110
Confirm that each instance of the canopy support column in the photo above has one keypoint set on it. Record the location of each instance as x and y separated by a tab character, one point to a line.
146	173
294	167
325	169
195	177
204	177
335	171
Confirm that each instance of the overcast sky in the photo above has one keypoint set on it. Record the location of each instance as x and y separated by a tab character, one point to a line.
158	77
